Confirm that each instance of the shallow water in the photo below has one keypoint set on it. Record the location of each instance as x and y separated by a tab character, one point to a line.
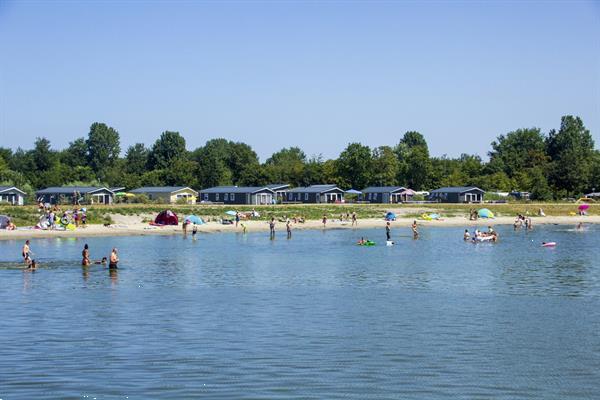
314	317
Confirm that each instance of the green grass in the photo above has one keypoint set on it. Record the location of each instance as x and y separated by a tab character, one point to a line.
98	214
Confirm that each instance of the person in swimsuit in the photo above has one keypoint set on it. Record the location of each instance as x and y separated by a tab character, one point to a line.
103	261
114	259
26	252
194	232
288	228
272	227
324	221
388	231
414	229
466	235
85	254
354	221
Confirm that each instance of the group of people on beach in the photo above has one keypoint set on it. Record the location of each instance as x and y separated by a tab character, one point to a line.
52	216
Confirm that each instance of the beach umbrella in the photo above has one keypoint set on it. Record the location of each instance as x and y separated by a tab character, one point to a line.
120	194
194	219
353	191
485	213
390	216
583	207
230	212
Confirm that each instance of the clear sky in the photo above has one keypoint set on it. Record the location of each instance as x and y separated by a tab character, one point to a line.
312	74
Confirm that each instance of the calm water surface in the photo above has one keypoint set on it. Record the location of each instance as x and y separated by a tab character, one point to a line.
314	317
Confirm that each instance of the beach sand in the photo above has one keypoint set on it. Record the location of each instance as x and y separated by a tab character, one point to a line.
132	226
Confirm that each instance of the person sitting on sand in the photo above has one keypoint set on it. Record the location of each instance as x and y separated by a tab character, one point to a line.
466	235
114	259
85	254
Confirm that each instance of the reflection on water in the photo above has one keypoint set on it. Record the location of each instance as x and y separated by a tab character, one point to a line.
312	317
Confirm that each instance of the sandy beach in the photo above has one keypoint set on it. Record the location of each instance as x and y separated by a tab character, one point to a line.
132	226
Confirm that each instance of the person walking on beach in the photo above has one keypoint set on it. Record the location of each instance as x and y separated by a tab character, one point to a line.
388	231
85	254
26	252
288	228
354	221
184	226
324	221
114	259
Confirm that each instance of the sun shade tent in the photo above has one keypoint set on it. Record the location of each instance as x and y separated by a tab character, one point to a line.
390	216
353	191
4	221
194	219
166	217
232	213
583	207
485	213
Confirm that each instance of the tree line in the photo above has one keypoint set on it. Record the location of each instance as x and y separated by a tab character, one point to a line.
561	163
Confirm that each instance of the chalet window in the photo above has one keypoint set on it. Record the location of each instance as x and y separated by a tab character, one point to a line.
226	197
206	196
232	196
305	196
217	196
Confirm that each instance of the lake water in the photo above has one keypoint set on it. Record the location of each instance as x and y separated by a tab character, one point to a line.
315	317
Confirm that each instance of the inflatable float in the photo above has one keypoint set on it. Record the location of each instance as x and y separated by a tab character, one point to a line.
366	243
483	239
548	244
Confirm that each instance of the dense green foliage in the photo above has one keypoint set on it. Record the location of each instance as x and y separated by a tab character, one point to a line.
561	164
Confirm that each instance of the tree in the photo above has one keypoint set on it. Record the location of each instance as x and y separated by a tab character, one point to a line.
572	152
169	146
414	162
355	165
540	190
136	159
519	150
76	154
103	147
243	164
385	166
43	157
286	165
212	163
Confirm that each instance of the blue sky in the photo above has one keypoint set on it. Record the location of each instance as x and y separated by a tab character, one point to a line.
312	74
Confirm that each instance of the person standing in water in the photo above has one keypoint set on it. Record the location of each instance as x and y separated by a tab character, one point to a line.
288	228
237	219
194	232
354	221
26	252
324	221
114	259
388	231
272	227
85	254
414	229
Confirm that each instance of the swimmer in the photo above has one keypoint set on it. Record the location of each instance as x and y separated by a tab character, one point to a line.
466	235
103	261
579	226
85	254
114	259
194	232
31	264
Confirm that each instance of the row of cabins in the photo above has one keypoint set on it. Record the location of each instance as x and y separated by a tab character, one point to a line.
255	195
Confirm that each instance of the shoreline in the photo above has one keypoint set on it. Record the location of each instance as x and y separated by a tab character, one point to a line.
134	228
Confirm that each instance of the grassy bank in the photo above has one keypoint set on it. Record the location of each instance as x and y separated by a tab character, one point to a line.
98	214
